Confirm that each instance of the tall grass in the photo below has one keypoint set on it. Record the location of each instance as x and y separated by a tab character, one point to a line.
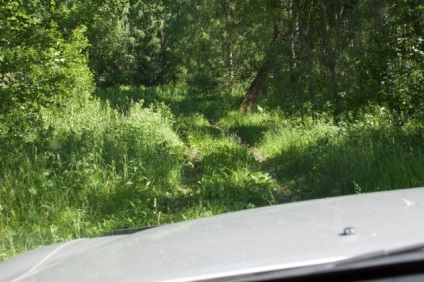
325	160
315	160
227	173
98	170
183	101
142	156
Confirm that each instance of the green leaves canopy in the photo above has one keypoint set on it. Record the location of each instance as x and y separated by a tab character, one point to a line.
39	67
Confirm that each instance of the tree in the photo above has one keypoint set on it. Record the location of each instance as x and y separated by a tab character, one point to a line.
39	67
129	40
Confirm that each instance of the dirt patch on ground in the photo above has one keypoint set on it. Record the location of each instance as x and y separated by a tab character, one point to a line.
258	155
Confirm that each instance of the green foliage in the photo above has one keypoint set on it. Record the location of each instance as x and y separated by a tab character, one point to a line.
182	100
99	170
129	40
250	128
232	175
39	68
73	165
326	161
393	58
123	163
369	53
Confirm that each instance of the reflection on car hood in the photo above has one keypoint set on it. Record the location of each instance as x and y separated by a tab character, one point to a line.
277	237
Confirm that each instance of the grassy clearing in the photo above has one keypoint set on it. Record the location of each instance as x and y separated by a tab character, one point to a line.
142	156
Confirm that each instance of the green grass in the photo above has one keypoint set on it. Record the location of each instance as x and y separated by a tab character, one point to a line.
143	156
325	161
98	170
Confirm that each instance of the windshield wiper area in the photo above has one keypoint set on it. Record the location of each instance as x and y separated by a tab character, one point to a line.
128	231
404	264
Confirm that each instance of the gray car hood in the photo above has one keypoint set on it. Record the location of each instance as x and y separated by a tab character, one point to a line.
278	237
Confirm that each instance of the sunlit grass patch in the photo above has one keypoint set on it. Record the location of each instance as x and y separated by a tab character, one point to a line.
324	161
99	169
250	127
231	174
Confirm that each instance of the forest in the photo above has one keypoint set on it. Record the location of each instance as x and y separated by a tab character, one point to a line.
125	113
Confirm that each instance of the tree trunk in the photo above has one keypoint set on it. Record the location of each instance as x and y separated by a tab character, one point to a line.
258	84
255	89
294	40
329	54
306	42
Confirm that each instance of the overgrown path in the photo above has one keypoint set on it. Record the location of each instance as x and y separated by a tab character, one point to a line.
225	147
142	156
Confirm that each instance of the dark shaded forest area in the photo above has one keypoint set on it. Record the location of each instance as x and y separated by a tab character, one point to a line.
311	58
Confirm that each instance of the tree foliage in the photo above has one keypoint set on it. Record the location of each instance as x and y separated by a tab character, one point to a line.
335	59
39	66
129	40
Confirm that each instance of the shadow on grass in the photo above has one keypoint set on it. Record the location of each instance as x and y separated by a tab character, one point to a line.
181	101
362	161
249	134
202	131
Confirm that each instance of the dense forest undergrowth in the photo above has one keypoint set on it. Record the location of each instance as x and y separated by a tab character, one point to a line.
144	156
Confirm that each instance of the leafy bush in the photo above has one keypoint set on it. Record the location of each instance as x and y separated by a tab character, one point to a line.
39	68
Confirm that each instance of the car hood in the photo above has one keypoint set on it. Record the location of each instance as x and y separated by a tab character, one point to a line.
278	237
